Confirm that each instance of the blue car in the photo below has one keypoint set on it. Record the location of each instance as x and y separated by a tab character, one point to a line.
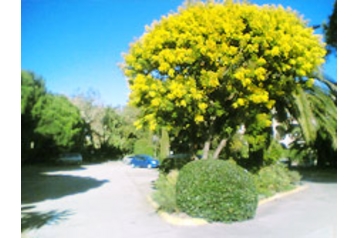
144	161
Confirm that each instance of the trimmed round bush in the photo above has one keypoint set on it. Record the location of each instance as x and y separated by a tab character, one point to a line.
216	190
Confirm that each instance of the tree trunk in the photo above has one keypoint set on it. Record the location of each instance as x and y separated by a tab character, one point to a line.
164	144
219	148
206	149
256	159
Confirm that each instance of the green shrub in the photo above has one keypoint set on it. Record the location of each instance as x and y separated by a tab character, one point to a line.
295	177
275	178
165	194
216	190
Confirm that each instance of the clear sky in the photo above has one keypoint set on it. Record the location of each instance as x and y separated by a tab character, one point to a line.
76	45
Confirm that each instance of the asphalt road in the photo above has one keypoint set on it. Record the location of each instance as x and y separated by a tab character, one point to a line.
109	200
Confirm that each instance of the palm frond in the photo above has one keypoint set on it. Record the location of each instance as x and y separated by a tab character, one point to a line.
325	113
305	115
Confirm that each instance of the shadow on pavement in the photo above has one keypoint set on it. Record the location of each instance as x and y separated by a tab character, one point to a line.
37	186
318	175
35	220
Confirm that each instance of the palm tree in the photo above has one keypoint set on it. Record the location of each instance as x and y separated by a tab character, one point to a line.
315	109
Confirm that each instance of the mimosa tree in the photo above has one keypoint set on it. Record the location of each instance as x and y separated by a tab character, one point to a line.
211	67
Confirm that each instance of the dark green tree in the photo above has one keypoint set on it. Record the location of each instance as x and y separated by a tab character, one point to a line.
59	123
50	123
330	30
32	89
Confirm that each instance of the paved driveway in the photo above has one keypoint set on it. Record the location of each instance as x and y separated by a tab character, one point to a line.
110	200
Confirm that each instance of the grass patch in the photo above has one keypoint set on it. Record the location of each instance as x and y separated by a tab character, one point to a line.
165	194
274	179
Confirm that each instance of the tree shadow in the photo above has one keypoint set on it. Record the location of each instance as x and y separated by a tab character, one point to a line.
318	175
37	186
35	220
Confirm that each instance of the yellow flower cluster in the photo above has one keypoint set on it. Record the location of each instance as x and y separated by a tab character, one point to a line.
198	118
251	51
203	106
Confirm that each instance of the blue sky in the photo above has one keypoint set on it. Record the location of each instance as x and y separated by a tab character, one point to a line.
77	45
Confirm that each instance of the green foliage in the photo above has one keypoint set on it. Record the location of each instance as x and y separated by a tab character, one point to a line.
316	112
330	29
275	178
299	154
175	162
144	146
305	115
92	113
58	119
116	132
164	145
49	123
165	194
295	177
217	191
326	155
110	131
325	112
274	152
32	88
239	146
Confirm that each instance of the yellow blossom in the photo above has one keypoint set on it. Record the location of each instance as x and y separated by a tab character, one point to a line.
275	51
203	106
155	102
241	101
270	104
260	73
152	125
203	53
310	82
183	103
138	125
152	94
198	118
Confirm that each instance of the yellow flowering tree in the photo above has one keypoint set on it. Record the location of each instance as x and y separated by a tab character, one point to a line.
211	67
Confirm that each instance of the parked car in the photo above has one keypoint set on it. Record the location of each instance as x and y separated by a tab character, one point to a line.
70	158
127	159
144	161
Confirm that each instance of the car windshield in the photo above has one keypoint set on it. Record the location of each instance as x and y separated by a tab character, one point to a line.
141	157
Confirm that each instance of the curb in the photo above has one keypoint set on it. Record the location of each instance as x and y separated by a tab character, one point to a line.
283	194
179	221
174	219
